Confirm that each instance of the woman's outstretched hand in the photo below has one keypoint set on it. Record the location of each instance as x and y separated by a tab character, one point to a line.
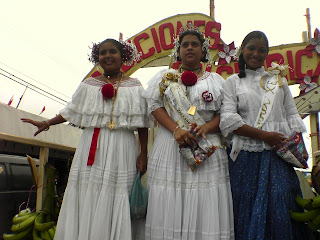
42	126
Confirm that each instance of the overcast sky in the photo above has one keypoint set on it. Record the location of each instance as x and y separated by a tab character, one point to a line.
46	42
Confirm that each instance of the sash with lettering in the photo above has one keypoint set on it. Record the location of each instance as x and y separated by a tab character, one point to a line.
178	106
271	88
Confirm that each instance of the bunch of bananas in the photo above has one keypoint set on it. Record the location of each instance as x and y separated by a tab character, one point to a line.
44	227
38	225
22	225
311	216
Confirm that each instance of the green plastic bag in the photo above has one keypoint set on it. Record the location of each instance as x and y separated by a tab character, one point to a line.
138	199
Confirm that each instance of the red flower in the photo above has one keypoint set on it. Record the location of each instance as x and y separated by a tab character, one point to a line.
189	78
108	90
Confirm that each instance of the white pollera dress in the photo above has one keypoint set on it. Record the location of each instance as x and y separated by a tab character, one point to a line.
184	204
96	201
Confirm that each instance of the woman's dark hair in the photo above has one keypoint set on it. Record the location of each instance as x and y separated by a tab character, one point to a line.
251	35
198	35
94	58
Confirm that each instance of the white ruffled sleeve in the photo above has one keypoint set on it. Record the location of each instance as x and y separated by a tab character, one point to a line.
88	108
230	120
152	93
293	118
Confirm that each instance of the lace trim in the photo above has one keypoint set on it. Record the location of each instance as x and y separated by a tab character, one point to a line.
189	185
99	187
132	82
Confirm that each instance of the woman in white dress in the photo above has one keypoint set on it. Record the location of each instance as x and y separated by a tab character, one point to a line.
109	107
186	204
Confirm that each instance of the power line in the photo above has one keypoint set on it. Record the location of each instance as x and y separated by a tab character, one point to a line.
33	80
33	87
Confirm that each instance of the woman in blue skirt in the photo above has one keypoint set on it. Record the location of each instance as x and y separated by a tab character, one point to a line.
263	185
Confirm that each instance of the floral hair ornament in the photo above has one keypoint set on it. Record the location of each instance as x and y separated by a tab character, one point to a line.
190	28
129	54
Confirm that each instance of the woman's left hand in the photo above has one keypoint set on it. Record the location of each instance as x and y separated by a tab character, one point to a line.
142	162
200	129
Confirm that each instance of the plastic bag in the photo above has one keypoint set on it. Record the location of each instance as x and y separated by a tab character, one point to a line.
292	151
138	199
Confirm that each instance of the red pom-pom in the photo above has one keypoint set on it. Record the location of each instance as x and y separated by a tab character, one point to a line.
189	78
107	90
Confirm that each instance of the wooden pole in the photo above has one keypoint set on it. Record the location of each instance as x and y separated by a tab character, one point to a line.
42	180
314	128
212	8
308	23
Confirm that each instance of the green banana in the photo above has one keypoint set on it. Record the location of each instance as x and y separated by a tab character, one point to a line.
304	203
305	216
17	219
36	234
24	212
51	232
17	236
40	225
19	227
45	235
315	223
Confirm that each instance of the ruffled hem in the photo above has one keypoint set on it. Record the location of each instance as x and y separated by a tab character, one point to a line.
88	108
230	123
122	121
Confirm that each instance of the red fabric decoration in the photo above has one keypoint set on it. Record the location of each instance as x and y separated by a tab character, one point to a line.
189	78
107	90
93	147
207	96
96	74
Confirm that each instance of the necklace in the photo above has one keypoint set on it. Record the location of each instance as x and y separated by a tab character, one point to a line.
191	70
108	76
111	123
198	68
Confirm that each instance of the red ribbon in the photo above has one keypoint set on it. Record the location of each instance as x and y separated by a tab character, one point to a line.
93	147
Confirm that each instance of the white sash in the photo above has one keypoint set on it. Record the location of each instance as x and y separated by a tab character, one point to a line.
271	88
178	104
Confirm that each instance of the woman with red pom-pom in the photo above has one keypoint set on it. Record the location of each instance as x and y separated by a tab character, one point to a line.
188	179
109	107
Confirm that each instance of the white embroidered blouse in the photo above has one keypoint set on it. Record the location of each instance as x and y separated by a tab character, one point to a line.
89	109
211	82
241	104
